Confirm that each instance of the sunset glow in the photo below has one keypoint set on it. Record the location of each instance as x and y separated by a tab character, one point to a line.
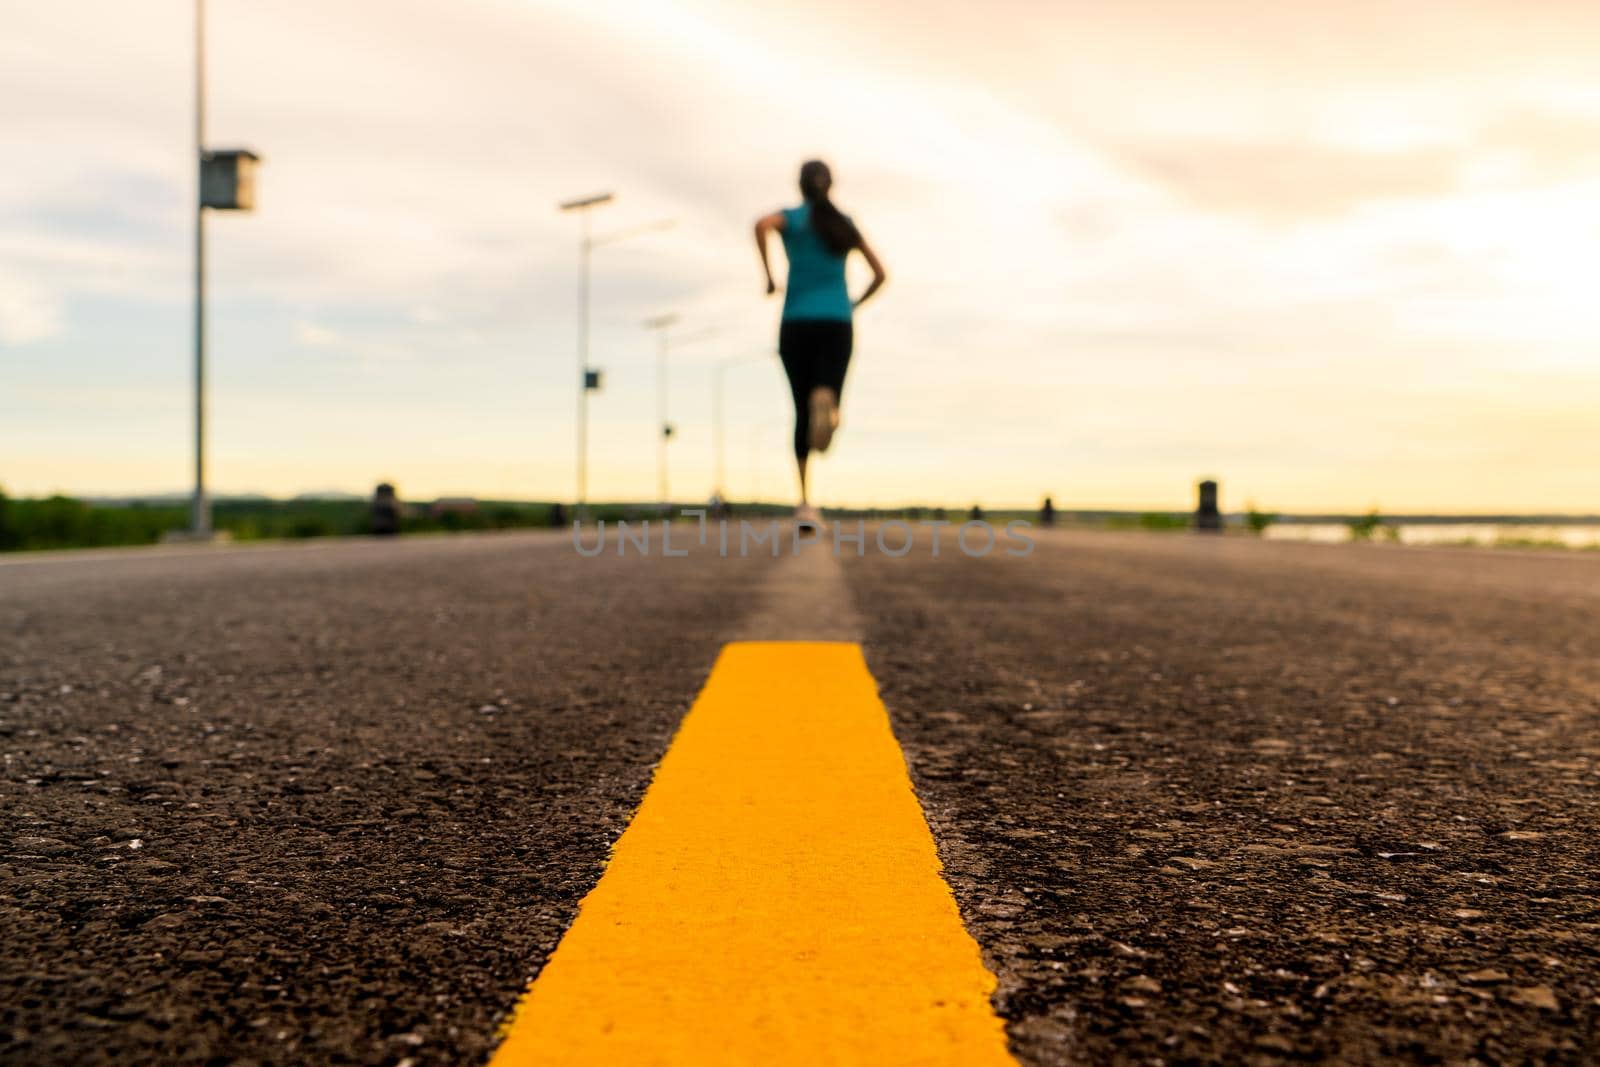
1336	254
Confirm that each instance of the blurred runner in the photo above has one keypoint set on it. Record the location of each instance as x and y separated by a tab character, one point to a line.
816	337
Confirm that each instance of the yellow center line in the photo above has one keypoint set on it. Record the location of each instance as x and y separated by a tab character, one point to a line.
776	899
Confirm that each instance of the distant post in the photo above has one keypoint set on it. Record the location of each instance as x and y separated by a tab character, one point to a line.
384	515
1207	516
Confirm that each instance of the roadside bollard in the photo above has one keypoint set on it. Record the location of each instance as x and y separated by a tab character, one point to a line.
1207	516
384	518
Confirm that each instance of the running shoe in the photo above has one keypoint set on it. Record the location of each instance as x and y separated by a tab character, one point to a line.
824	417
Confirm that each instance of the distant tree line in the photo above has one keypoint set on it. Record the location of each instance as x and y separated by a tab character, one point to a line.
66	522
63	522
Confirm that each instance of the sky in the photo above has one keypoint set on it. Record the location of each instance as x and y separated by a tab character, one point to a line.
1337	254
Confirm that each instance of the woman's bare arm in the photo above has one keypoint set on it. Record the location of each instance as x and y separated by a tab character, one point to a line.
879	275
765	225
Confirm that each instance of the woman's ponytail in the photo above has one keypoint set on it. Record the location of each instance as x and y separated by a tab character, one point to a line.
839	235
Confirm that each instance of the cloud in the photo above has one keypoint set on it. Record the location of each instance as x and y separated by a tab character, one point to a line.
1293	180
311	335
1285	180
27	313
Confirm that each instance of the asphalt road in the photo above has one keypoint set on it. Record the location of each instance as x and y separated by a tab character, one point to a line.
1200	800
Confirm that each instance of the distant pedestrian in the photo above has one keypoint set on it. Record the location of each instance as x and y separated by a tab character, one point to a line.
816	336
1047	514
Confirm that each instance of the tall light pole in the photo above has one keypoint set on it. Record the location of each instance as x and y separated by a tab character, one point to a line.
661	324
224	180
717	423
585	380
757	439
589	377
200	505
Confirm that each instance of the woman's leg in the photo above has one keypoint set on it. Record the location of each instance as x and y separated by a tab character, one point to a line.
798	366
836	361
834	342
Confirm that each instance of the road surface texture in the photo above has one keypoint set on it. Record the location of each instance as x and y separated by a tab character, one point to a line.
1200	800
322	803
1227	801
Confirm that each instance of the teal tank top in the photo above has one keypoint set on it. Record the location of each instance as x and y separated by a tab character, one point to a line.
816	287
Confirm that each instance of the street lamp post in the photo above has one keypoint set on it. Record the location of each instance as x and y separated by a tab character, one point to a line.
757	439
200	505
588	377
585	250
661	324
225	180
665	430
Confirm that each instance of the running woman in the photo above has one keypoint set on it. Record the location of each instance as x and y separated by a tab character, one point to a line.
816	336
